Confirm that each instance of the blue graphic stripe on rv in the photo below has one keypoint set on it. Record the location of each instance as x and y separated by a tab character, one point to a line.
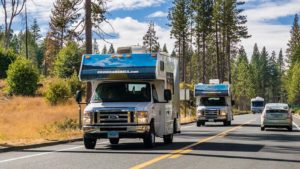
137	66
212	90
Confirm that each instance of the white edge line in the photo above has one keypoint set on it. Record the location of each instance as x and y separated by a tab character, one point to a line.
40	154
296	126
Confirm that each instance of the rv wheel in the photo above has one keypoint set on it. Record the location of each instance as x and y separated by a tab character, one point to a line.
149	138
168	139
89	143
114	140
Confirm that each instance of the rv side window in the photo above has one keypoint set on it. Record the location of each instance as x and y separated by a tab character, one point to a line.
155	96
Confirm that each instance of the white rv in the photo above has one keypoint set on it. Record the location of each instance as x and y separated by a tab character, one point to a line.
257	105
214	103
135	95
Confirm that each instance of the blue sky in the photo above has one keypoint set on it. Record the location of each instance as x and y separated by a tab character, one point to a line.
269	21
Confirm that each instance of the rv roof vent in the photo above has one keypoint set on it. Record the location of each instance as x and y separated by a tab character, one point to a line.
214	81
124	50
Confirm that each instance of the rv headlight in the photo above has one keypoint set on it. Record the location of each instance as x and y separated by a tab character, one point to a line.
87	116
223	113
200	113
142	117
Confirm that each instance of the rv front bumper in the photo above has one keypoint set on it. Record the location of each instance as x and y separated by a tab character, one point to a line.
124	131
208	119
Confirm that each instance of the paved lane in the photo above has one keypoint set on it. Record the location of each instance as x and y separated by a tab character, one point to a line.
241	145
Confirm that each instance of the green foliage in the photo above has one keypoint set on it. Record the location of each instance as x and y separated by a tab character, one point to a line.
150	39
67	124
58	92
242	85
22	77
68	61
74	83
6	58
294	85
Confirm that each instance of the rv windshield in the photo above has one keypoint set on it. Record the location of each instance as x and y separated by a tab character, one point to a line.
213	101
122	92
257	104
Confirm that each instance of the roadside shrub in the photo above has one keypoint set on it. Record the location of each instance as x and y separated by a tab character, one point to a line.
58	92
74	83
22	77
6	58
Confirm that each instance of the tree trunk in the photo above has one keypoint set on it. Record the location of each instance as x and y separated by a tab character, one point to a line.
88	42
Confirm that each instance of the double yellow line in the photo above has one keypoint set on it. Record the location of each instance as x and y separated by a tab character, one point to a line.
177	153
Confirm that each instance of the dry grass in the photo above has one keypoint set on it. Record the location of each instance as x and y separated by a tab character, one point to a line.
187	119
31	119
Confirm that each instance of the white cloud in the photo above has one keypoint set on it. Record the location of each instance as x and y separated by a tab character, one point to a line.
272	35
132	4
131	32
158	14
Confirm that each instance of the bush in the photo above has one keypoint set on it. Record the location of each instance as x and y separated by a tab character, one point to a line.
74	83
22	77
6	58
58	92
68	61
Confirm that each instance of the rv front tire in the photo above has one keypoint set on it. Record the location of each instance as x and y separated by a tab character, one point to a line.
89	143
168	139
114	140
149	138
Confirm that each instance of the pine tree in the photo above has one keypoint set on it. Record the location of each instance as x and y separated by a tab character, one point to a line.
64	14
35	30
273	91
203	20
263	69
95	46
280	62
150	39
111	49
180	21
243	89
104	50
294	85
165	49
52	47
255	69
294	40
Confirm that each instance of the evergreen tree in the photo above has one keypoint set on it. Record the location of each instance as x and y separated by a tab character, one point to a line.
95	47
104	50
203	20
280	62
273	91
243	89
180	21
263	69
64	14
255	69
294	40
35	31
52	47
111	49
150	39
165	49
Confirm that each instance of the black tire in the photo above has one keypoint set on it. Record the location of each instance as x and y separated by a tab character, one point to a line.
149	138
290	128
168	139
175	127
262	128
229	123
89	143
203	123
226	123
199	123
114	141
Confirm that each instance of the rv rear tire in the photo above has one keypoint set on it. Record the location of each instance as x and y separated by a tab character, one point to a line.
168	139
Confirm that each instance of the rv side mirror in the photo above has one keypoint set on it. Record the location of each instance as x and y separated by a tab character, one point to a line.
232	102
78	96
167	94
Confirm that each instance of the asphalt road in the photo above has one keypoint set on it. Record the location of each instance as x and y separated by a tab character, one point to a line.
240	146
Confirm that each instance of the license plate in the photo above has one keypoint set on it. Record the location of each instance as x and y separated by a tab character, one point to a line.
112	134
211	120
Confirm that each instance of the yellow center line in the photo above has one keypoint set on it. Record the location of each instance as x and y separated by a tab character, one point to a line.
186	149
